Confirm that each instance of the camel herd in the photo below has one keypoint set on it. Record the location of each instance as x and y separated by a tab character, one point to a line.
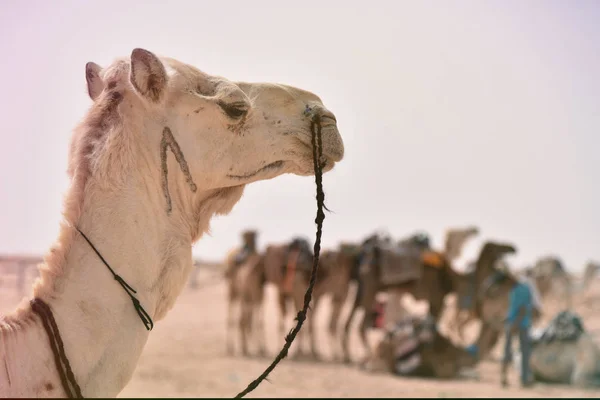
406	266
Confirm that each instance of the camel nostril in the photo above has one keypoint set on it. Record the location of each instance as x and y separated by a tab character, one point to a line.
330	117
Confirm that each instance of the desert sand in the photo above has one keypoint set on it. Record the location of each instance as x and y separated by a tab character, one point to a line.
185	357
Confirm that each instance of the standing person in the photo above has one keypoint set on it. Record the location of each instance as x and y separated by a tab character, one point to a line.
518	320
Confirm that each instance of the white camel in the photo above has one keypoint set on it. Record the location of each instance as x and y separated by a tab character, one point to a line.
142	209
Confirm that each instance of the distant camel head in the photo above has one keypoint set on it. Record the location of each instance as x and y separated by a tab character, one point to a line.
592	268
549	267
456	239
498	250
493	251
249	239
223	133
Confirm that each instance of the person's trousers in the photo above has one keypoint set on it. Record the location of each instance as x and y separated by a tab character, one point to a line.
524	346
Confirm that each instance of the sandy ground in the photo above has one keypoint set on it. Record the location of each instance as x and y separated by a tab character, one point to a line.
185	357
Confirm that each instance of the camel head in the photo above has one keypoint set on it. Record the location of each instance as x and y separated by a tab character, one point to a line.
497	250
223	133
456	239
549	267
591	270
490	253
249	239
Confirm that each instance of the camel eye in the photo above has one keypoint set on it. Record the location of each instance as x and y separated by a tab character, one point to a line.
235	110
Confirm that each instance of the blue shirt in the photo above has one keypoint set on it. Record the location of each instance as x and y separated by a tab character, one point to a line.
520	297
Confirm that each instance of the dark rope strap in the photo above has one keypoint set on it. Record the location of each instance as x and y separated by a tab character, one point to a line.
56	344
144	316
317	154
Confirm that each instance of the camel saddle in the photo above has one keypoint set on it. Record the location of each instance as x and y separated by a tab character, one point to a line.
565	327
298	256
399	264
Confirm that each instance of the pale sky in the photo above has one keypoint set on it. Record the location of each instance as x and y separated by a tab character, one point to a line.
452	112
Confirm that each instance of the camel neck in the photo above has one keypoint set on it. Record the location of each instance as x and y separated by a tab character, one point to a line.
102	332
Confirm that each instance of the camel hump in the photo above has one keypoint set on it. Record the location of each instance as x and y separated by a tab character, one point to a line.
432	259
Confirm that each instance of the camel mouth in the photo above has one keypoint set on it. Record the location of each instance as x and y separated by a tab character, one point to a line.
269	168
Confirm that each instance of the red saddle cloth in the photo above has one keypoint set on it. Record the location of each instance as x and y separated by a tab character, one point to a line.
379	311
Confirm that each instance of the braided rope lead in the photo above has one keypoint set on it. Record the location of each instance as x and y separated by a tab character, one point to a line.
301	317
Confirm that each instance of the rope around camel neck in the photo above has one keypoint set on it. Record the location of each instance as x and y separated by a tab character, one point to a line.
58	349
317	146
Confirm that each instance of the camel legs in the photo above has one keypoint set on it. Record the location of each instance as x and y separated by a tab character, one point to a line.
262	343
282	302
337	303
365	298
298	298
366	323
231	298
245	326
346	334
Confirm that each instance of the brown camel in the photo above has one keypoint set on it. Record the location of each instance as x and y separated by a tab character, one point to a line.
244	271
288	267
405	267
466	285
414	347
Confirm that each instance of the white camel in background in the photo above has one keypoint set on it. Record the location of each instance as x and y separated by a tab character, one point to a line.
143	209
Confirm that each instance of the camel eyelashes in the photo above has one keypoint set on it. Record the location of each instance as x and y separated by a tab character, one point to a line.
235	110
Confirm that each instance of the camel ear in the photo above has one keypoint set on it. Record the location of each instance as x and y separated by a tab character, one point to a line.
95	86
148	75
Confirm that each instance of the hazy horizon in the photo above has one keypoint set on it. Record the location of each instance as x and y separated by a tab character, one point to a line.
453	114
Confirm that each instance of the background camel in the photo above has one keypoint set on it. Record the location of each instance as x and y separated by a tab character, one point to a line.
566	353
590	272
288	267
407	272
415	347
244	271
552	279
454	243
467	285
143	210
